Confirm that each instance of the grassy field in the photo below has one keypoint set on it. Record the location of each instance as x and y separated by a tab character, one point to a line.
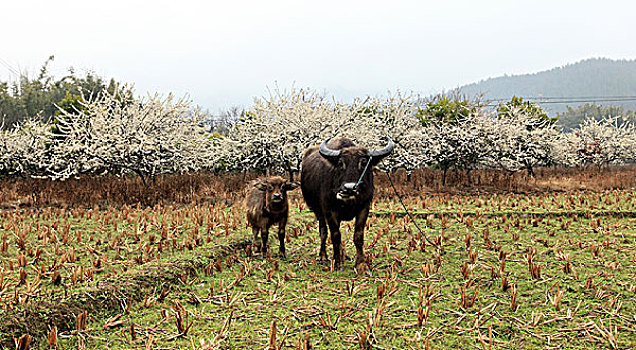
505	271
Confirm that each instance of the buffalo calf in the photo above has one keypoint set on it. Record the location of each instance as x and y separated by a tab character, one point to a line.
267	205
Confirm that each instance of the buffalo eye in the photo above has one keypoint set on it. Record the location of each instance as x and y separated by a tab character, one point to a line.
341	164
270	188
362	163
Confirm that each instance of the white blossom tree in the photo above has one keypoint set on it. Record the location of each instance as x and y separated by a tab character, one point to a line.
118	134
524	138
8	152
275	131
601	143
27	149
396	117
440	143
457	134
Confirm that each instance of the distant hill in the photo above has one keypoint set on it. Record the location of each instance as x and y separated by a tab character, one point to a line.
596	77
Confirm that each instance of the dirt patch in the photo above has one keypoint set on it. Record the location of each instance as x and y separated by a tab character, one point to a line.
106	296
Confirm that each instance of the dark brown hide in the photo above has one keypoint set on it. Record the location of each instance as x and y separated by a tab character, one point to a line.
328	183
266	205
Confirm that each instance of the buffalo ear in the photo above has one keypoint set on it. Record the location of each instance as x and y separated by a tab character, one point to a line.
261	185
375	161
378	154
333	160
291	186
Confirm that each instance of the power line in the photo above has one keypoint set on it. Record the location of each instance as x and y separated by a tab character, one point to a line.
8	66
571	99
581	101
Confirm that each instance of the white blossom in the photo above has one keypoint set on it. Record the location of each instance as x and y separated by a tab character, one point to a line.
601	142
522	140
276	130
118	134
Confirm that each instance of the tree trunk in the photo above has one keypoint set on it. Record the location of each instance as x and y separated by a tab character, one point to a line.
445	170
290	173
141	175
530	171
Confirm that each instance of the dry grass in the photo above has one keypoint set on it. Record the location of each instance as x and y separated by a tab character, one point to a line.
547	179
118	191
207	187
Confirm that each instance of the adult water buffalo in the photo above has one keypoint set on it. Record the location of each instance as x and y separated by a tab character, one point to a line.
337	184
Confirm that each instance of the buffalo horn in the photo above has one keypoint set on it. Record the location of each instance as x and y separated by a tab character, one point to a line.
383	152
326	151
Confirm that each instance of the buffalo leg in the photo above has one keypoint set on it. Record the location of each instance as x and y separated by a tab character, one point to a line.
257	239
281	237
265	235
334	228
358	235
322	226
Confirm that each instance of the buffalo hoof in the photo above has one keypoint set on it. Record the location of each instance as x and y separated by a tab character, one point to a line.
335	267
323	261
282	255
362	269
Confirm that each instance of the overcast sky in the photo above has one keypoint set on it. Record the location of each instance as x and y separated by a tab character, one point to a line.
224	53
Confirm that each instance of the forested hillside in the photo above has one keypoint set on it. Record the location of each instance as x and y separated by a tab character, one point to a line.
43	94
598	81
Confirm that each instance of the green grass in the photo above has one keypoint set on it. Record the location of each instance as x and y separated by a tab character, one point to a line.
236	299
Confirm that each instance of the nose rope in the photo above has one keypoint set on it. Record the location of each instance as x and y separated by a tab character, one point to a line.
363	172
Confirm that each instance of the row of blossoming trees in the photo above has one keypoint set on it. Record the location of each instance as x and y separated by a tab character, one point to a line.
116	133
